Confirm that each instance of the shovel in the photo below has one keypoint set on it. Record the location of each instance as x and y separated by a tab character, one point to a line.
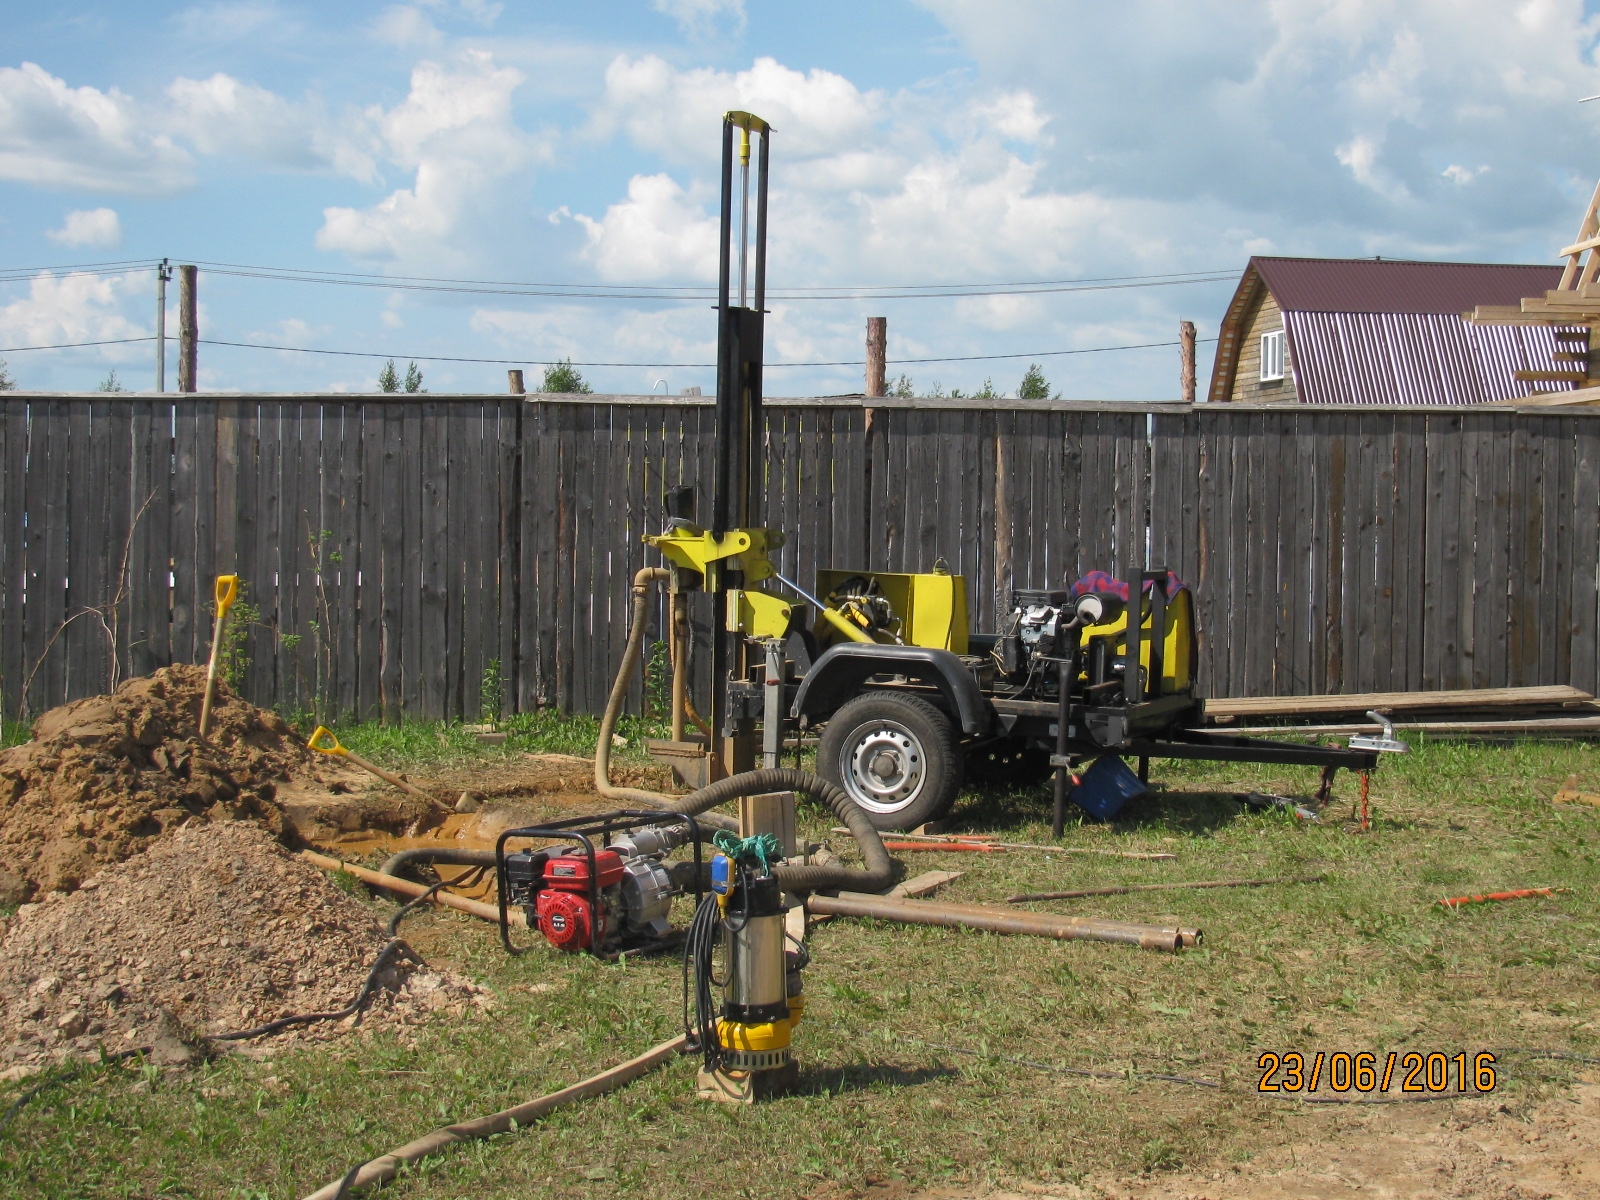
325	741
227	593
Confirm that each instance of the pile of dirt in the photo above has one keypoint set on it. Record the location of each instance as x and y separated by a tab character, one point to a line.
104	776
216	928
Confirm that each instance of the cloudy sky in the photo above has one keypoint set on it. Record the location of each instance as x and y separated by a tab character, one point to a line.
917	145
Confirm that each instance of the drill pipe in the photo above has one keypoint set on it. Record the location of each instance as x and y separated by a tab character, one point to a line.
973	916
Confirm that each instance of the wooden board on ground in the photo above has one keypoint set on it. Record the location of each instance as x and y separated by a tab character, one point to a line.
1290	706
925	884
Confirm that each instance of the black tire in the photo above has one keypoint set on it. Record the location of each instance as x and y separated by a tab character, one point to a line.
896	756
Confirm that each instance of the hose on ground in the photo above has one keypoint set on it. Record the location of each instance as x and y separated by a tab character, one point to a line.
878	872
450	857
619	694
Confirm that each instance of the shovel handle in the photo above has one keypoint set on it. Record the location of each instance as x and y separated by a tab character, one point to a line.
322	734
227	592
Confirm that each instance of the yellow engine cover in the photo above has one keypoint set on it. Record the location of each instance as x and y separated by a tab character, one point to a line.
932	608
1177	665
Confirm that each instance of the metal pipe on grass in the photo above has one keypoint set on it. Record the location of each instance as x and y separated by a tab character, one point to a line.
1028	897
407	887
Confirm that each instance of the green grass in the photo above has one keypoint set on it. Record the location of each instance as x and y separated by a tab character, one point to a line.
1363	962
418	746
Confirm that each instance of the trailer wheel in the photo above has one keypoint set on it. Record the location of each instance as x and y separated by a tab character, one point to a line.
896	756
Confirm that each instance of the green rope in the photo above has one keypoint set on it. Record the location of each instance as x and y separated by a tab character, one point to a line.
762	848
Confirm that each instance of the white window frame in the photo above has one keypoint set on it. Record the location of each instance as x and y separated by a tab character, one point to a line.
1272	356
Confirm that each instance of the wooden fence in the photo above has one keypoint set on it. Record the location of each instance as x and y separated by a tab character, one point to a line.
422	556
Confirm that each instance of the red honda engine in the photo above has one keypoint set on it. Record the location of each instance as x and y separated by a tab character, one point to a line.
566	916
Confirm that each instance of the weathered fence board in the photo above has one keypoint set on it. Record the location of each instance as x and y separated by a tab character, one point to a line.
405	552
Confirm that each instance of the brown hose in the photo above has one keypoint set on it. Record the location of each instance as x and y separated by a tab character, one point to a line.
619	694
381	1170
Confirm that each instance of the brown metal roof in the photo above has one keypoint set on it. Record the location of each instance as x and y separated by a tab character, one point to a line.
1365	285
1414	358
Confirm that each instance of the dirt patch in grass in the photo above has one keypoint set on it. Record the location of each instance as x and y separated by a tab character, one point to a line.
215	928
1445	1151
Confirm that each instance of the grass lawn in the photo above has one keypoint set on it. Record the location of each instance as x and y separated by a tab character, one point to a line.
1364	961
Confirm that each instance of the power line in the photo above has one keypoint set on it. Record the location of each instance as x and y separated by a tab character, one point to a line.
700	296
77	345
677	365
660	292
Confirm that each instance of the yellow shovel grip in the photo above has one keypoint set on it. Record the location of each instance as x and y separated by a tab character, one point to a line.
323	733
227	593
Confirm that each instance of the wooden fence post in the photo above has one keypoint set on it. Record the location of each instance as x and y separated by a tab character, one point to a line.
877	351
1186	354
188	328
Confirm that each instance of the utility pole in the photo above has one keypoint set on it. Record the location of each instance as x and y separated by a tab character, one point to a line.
514	381
877	354
1186	352
163	274
188	328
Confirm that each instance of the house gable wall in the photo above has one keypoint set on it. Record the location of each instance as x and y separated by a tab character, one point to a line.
1264	316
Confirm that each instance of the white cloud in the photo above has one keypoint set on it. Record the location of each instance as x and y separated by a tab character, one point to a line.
77	308
90	227
678	113
656	233
224	116
1456	173
456	131
405	26
697	17
52	135
232	22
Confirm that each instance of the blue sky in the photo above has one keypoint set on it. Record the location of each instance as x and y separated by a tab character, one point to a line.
934	143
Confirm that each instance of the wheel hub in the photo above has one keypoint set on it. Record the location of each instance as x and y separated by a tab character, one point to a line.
884	767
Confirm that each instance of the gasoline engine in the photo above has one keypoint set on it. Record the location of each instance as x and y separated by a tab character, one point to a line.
608	899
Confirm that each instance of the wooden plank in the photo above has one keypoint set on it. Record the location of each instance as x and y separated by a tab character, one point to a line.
1388	639
1525	612
394	577
1272	706
439	542
256	521
1585	727
13	556
49	660
1585	558
1555	659
343	490
508	548
417	661
84	536
369	687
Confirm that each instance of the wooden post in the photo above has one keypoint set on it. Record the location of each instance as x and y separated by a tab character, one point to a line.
1186	353
877	351
514	378
188	328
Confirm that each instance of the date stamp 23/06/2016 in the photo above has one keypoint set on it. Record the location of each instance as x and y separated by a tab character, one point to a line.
1401	1071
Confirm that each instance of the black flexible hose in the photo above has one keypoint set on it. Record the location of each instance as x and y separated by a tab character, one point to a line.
879	869
449	856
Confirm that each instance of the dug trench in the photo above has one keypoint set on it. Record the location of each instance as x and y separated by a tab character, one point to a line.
158	899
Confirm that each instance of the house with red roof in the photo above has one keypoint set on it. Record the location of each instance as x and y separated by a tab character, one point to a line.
1385	331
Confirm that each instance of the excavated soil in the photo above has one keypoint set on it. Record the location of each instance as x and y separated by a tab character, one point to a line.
105	776
215	928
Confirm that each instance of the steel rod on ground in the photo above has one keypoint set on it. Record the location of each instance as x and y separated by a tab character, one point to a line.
1029	897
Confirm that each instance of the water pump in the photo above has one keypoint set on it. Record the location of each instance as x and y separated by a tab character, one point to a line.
609	899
